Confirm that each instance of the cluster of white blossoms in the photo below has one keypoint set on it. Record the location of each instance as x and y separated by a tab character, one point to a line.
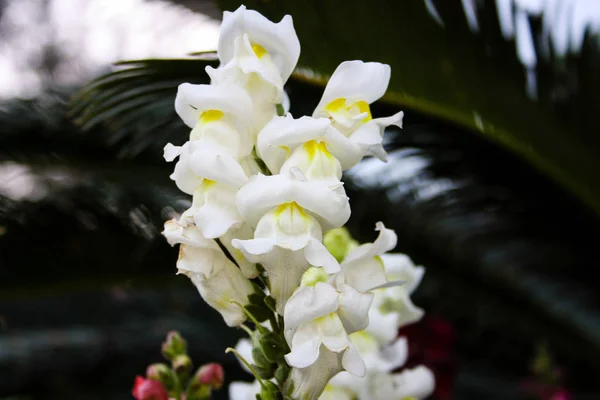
266	193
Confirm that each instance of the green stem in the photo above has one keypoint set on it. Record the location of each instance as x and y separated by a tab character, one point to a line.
261	328
247	364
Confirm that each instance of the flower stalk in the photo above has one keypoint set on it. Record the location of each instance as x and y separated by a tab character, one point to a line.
267	188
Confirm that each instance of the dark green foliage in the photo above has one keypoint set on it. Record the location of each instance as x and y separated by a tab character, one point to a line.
473	79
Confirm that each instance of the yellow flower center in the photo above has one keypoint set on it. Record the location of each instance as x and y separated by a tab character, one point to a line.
292	208
207	184
211	116
258	50
314	148
339	107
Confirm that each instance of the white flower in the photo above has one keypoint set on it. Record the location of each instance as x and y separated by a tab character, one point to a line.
214	210
417	383
333	392
271	50
353	86
197	162
283	135
263	193
396	300
318	321
259	56
244	390
287	143
220	282
363	268
384	358
218	114
286	242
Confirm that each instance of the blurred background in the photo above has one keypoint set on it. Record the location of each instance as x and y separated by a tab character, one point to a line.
492	185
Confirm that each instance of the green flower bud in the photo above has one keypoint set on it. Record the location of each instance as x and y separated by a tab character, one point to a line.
174	345
270	392
339	242
161	373
182	365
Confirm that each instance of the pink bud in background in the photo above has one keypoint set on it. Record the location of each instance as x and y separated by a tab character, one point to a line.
147	389
211	374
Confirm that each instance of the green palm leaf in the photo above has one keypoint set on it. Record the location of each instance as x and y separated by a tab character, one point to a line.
133	106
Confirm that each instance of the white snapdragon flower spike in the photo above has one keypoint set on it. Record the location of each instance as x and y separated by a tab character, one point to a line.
363	268
351	89
396	300
318	321
219	281
289	215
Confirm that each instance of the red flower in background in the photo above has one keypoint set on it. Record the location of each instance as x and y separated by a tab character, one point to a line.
147	389
430	343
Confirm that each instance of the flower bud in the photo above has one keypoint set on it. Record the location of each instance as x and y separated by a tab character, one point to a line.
339	242
269	391
161	373
211	374
148	389
182	365
173	345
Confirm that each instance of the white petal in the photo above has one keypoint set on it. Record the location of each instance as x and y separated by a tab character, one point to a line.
363	274
353	308
333	392
176	233
252	248
171	152
394	355
223	290
263	193
383	327
291	227
244	390
344	149
214	210
278	39
282	135
369	137
318	255
223	168
283	267
418	383
304	349
192	100
353	362
250	63
385	242
186	180
400	267
316	162
308	383
356	81
331	331
242	233
308	303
